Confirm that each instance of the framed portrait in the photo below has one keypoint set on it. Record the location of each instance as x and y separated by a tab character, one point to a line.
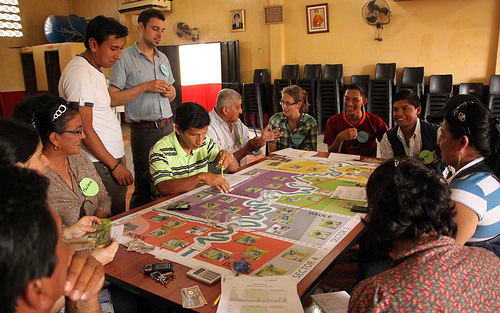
238	20
317	18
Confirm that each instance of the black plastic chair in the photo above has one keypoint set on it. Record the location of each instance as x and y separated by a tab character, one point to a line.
256	97
312	73
362	80
440	90
290	72
261	76
386	71
327	102
413	78
289	75
475	89
334	72
494	97
380	99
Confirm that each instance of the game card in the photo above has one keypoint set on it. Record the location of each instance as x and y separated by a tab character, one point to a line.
247	239
255	253
174	224
216	255
175	244
329	223
160	232
270	270
319	234
197	230
159	218
295	254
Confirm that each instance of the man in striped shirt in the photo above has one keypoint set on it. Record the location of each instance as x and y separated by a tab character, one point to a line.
179	162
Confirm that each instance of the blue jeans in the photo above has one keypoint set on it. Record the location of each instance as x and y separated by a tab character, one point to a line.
492	244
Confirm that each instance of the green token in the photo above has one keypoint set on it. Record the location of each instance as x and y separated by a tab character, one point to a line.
362	136
426	156
297	139
89	187
241	139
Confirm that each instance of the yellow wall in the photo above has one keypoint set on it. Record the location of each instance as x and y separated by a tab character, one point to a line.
446	36
33	15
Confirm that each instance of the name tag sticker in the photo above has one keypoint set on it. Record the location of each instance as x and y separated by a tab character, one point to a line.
164	69
89	187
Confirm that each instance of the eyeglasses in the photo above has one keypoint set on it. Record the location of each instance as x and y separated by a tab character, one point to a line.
76	132
459	113
288	103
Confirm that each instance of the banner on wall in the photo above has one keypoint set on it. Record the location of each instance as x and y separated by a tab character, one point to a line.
201	75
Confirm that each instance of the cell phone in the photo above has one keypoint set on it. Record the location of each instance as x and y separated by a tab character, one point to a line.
179	206
359	209
159	267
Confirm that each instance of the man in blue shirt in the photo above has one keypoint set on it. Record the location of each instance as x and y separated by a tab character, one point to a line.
142	81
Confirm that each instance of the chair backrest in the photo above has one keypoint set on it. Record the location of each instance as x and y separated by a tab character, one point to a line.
441	84
413	75
312	71
334	72
380	99
475	89
386	71
290	71
495	85
261	76
362	80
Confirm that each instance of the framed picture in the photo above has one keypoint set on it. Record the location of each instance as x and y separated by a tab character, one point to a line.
317	18
238	20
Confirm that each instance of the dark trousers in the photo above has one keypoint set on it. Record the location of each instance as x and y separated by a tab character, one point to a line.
117	192
141	141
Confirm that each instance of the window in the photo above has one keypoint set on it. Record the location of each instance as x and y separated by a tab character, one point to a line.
10	25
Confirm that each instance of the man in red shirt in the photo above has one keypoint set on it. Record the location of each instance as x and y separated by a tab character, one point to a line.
354	131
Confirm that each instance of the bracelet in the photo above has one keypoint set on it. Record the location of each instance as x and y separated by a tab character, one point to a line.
114	167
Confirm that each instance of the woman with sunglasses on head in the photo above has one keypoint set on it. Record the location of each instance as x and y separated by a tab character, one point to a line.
300	130
75	188
469	142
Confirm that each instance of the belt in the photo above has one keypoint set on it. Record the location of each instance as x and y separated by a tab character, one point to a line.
152	124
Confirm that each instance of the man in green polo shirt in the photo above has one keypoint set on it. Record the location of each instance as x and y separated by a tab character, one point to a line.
179	161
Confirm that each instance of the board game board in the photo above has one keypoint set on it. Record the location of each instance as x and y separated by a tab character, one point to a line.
290	218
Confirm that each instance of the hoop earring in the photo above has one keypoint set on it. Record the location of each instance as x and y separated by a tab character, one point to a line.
56	148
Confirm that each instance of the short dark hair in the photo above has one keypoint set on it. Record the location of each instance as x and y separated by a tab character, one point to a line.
409	95
357	87
18	141
479	126
191	115
407	200
28	233
40	111
101	27
148	14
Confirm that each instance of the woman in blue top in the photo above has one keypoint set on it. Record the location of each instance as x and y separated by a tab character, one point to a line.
469	142
300	130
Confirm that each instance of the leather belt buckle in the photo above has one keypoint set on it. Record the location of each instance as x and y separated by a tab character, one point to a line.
157	123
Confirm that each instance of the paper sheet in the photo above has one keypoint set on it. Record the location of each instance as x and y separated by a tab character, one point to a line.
244	294
350	193
332	302
343	157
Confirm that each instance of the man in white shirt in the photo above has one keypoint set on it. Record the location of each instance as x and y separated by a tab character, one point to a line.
411	136
227	130
83	81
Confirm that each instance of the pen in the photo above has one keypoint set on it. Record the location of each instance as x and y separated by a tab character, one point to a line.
254	129
217	300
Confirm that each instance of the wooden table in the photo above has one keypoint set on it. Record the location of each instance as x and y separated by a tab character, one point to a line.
126	270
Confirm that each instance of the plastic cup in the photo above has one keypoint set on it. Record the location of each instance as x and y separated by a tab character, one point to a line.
212	216
241	262
233	221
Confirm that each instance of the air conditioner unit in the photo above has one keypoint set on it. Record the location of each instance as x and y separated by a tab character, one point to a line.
139	5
